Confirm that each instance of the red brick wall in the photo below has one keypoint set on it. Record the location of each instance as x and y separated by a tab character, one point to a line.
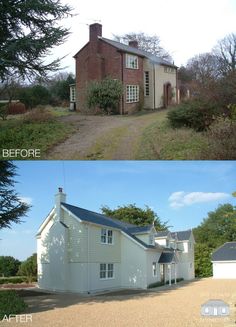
98	60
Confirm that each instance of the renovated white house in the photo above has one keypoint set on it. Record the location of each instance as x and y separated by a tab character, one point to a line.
84	251
224	261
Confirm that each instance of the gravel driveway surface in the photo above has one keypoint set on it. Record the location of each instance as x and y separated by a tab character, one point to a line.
178	306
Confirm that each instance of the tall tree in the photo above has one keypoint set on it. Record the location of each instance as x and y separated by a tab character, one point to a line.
28	268
132	214
28	31
149	43
225	51
11	206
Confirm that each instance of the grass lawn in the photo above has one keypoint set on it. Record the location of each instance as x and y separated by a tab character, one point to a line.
17	134
161	142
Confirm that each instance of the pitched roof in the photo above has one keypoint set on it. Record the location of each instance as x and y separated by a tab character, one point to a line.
167	257
140	229
162	233
226	252
126	48
215	303
97	218
182	235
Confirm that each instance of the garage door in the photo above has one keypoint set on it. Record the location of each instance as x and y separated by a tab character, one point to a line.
226	270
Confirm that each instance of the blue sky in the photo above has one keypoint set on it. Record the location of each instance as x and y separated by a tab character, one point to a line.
182	192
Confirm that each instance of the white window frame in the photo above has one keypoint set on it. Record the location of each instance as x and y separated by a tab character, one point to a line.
132	93
206	310
107	236
131	61
154	269
146	83
106	271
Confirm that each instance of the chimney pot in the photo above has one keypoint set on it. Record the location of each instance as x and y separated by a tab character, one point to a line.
133	44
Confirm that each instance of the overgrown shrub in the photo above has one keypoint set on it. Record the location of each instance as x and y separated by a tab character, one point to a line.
3	111
105	94
11	303
38	115
221	138
194	113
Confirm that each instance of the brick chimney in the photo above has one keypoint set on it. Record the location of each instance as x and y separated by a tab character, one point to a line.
59	198
95	30
133	44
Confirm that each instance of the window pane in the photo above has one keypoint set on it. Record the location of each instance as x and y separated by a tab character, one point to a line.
103	235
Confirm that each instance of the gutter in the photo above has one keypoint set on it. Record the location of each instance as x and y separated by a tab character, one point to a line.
122	80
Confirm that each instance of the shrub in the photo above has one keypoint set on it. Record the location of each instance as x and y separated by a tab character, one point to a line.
195	113
29	268
3	111
13	280
38	115
105	94
10	303
8	266
221	138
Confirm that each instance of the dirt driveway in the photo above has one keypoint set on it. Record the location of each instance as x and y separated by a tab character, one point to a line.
176	306
103	137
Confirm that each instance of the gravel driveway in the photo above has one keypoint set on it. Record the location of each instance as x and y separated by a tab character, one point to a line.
177	306
124	131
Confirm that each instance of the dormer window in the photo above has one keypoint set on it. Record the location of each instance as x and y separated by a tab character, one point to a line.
151	239
106	236
131	61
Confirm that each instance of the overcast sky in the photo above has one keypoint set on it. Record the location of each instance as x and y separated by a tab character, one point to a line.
185	27
182	192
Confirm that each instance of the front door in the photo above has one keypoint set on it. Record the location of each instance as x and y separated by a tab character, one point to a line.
167	96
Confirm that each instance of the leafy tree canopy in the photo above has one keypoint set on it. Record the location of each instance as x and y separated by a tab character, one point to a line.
219	227
28	31
11	206
28	268
202	263
132	214
8	266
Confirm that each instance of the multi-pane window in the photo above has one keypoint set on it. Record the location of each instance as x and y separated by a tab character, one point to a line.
146	84
106	270
131	61
106	236
102	270
151	239
154	269
132	93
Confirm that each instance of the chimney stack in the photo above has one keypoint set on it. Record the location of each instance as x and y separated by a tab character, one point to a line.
95	30
133	44
59	198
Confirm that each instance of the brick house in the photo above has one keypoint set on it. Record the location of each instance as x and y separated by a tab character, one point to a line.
149	81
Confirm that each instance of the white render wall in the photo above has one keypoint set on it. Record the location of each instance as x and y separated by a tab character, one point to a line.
152	256
224	270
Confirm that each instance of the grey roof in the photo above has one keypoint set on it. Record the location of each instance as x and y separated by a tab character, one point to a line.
97	218
226	252
162	233
126	48
215	303
182	235
140	229
167	257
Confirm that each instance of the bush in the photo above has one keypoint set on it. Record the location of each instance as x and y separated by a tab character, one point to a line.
28	268
195	113
105	94
157	284
221	138
3	111
13	280
8	266
10	303
38	115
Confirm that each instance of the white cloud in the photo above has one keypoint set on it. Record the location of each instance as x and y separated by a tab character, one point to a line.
181	199
25	199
